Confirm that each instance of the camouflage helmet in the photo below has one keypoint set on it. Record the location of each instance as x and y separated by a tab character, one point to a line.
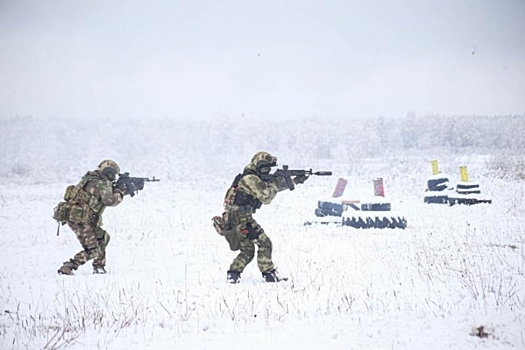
263	161
109	168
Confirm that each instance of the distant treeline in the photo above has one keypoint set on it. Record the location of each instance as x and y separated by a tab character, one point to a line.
56	147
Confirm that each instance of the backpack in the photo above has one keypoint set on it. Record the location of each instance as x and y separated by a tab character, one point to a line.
72	212
68	212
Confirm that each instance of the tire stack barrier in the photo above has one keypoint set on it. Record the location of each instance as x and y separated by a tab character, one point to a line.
436	190
436	186
467	192
376	206
325	208
374	214
468	188
380	220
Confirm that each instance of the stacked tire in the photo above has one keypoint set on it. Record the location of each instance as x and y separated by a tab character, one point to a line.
468	188
467	194
325	208
436	188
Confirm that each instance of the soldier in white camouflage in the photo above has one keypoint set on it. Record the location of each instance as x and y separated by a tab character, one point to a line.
86	202
246	194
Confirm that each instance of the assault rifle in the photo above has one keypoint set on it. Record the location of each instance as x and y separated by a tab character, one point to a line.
132	184
287	175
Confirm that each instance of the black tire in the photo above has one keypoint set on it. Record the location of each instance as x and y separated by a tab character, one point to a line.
433	184
436	199
354	222
329	208
467	186
438	188
467	201
326	212
376	207
348	221
382	222
468	192
376	222
319	213
392	223
401	223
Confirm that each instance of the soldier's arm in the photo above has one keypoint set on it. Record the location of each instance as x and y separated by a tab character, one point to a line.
263	191
108	195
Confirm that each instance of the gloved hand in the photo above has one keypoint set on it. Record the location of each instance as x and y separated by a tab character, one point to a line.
122	186
118	190
128	188
300	179
139	186
279	183
250	232
131	188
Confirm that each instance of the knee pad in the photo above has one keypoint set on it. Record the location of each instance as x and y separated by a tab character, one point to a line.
92	253
104	240
253	232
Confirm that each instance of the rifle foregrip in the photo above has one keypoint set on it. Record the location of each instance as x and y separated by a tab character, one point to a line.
290	183
129	189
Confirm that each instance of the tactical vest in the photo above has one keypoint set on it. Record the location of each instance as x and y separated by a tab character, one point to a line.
80	206
243	200
78	195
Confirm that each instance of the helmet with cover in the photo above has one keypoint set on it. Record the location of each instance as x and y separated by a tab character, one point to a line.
263	161
109	169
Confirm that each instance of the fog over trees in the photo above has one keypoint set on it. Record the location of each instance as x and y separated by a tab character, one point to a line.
58	149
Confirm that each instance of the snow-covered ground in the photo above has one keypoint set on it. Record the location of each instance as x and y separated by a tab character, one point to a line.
432	286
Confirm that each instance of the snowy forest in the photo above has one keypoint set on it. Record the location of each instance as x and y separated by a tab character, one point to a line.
57	149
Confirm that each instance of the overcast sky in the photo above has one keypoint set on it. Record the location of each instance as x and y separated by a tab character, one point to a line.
271	59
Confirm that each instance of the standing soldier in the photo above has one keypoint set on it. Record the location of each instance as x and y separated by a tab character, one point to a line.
246	194
83	210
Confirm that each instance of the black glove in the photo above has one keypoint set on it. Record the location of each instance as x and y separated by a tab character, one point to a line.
300	179
127	188
132	188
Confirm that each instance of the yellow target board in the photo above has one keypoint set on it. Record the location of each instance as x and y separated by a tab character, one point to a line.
463	173
435	167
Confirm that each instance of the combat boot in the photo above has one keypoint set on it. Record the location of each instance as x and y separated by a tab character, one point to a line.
233	277
99	270
272	276
67	268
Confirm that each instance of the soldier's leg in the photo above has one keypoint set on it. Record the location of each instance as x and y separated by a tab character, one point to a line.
245	256
103	241
87	237
265	248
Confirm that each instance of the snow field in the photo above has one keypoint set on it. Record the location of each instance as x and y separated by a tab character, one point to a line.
453	269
